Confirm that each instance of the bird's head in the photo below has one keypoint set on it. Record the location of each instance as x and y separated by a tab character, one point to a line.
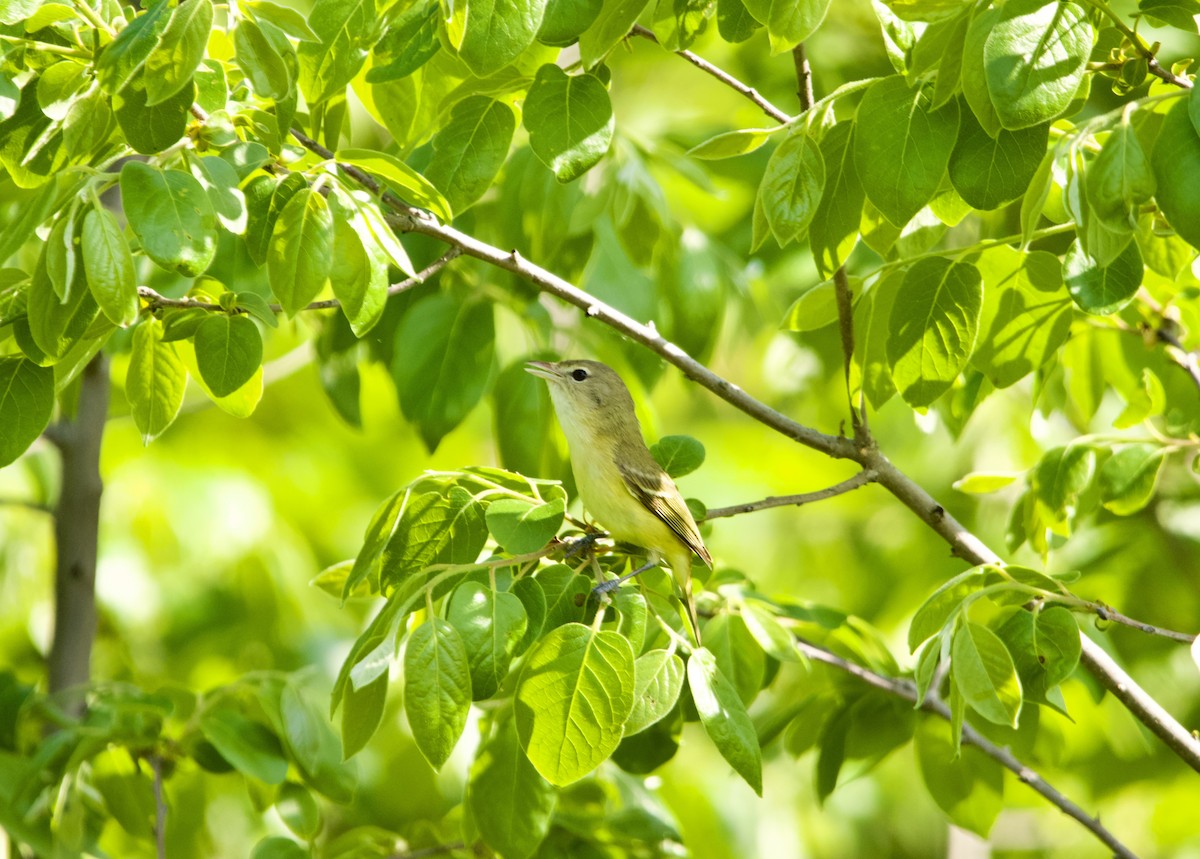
585	392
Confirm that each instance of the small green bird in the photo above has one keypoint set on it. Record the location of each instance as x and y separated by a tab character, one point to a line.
621	485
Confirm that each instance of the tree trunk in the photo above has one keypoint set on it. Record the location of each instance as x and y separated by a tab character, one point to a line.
76	528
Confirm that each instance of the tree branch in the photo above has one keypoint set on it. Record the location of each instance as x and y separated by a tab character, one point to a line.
76	532
962	542
970	736
861	479
804	84
155	300
724	77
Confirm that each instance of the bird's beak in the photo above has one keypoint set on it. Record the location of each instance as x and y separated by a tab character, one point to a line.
543	369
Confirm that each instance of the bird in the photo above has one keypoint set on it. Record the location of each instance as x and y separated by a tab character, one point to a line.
621	485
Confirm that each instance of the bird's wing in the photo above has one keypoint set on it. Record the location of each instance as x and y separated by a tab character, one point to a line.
653	487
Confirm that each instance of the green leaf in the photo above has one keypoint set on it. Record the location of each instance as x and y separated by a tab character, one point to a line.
1119	180
299	256
179	51
155	382
1062	475
769	633
792	186
492	625
346	29
934	321
128	791
1035	56
734	21
493	32
1176	163
228	352
678	454
1026	314
470	149
109	267
834	228
991	171
1182	14
298	809
1045	648
443	362
984	482
870	373
436	526
724	717
522	410
278	847
902	147
171	215
1128	477
265	199
974	72
358	271
88	124
249	746
520	527
968	786
739	658
573	699
409	43
410	184
362	714
283	17
127	53
1102	289
730	144
566	20
570	121
26	403
658	680
56	325
30	147
613	24
262	65
983	669
788	22
933	614
566	592
151	129
508	799
437	688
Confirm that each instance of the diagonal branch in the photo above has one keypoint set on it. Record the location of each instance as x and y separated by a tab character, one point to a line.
962	542
849	485
904	689
723	76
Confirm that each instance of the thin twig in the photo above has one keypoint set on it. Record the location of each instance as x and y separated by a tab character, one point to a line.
723	76
907	691
1139	45
160	808
849	485
155	300
1105	613
963	543
804	84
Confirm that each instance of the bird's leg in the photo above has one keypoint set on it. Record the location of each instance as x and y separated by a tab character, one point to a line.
613	584
574	547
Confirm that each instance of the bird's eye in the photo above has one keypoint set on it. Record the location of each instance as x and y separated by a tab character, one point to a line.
579	375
